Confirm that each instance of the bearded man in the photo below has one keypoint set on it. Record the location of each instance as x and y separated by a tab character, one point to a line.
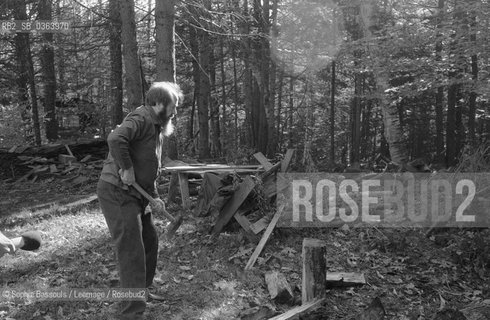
135	149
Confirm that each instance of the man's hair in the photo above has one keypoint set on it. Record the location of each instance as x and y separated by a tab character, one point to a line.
164	92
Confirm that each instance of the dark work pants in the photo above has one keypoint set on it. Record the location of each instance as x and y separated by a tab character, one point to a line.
135	240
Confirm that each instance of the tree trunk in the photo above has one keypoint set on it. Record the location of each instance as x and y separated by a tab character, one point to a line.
391	119
204	88
236	9
130	54
196	73
165	65
279	134
60	58
214	105
22	55
165	58
439	103
261	66
365	130
49	75
356	122
248	78
33	93
165	39
269	77
115	54
332	116
474	76
453	122
290	115
224	139
235	94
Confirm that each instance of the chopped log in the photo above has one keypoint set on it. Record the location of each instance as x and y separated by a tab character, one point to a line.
314	269
345	279
265	236
310	306
278	286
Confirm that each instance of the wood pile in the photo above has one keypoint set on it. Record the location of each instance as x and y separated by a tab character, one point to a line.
78	162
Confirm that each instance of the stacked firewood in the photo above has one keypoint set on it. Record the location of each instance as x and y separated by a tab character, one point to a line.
77	163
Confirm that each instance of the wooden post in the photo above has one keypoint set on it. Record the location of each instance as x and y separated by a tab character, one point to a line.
184	190
314	269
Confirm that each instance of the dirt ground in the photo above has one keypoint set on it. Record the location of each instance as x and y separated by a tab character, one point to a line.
413	275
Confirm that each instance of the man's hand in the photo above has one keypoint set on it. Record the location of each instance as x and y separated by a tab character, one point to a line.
6	245
127	176
157	206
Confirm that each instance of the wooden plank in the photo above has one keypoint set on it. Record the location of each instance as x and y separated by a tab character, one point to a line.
259	225
314	269
265	236
287	160
184	190
239	171
270	171
232	205
207	167
69	151
243	221
345	279
298	310
263	160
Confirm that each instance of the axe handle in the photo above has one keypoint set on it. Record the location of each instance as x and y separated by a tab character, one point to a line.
152	201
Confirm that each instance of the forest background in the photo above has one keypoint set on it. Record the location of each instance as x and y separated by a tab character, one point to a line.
344	82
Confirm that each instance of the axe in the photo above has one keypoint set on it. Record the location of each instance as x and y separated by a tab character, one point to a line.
174	222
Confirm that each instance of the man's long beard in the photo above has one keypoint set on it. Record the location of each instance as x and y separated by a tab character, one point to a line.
168	128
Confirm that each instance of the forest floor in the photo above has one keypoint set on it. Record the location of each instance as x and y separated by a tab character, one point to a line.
413	275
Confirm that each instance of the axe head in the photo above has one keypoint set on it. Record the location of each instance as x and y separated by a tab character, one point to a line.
174	225
32	240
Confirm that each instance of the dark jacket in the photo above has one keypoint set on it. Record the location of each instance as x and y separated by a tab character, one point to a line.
137	143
